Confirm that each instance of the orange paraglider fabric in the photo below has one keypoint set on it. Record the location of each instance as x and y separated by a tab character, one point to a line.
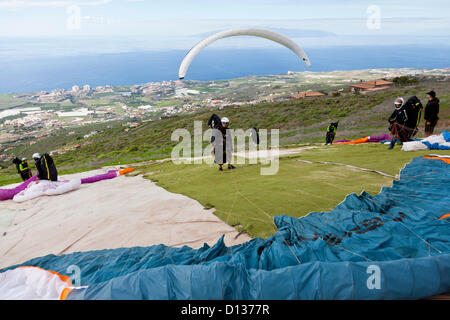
361	140
127	170
446	160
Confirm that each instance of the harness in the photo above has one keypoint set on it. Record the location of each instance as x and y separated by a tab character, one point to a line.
404	132
22	168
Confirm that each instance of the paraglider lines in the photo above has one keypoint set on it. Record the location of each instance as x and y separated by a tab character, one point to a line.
350	166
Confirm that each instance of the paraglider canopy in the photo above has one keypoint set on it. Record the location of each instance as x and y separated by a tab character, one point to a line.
262	33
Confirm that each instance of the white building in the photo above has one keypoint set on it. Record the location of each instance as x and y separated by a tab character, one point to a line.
146	107
81	112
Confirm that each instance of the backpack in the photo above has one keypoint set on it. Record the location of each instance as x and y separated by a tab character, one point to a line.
413	108
214	121
48	166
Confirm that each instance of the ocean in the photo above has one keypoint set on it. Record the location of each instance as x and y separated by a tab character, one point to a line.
21	73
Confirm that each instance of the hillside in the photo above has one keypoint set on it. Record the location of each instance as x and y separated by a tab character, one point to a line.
301	121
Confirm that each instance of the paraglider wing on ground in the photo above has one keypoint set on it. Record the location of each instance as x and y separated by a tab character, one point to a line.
46	188
395	236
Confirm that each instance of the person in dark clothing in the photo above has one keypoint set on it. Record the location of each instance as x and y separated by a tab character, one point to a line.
17	162
431	113
398	121
22	168
25	171
37	164
222	142
331	132
227	145
46	167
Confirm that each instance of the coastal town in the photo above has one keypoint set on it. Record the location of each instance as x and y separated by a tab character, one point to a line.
34	116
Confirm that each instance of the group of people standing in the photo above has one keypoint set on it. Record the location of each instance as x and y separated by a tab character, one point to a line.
45	166
405	119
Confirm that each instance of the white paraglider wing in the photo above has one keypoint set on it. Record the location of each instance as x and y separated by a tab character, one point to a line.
263	33
46	188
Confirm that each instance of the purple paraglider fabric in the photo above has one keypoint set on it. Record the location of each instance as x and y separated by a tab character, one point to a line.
109	175
7	194
379	138
341	141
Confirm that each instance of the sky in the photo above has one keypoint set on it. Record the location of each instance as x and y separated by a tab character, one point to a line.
178	24
73	38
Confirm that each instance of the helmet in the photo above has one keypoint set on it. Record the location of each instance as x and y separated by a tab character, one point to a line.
23	159
225	120
399	103
36	156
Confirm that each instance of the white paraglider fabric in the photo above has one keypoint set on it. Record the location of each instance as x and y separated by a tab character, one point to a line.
255	32
32	283
46	188
419	145
413	146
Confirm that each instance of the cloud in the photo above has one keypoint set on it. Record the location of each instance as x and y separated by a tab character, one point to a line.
288	32
61	3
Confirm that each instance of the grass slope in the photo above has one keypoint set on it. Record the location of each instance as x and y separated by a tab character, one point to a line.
249	201
299	121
